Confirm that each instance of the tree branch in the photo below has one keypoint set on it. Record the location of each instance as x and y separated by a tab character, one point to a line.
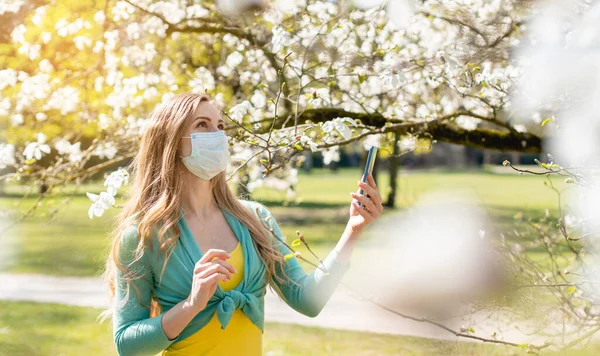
440	130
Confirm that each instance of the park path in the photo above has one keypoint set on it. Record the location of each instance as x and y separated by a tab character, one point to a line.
343	311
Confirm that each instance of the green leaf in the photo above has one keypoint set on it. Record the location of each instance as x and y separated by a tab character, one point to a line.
547	120
569	180
362	78
518	216
471	330
296	243
288	256
263	160
523	346
571	289
298	147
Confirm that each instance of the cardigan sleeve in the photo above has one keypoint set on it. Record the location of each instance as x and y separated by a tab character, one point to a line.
308	293
134	332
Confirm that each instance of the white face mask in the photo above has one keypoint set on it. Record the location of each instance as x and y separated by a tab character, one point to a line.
210	154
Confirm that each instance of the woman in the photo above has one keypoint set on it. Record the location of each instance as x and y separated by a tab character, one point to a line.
197	258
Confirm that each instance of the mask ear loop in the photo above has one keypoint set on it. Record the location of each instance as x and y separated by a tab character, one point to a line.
184	137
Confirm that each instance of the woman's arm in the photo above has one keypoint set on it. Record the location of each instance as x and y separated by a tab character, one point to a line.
134	332
311	291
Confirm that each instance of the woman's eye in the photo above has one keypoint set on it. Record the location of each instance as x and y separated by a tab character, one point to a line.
202	123
221	127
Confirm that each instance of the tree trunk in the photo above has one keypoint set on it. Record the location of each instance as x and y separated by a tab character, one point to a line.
393	168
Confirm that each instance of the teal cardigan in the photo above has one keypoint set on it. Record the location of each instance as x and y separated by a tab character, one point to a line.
135	333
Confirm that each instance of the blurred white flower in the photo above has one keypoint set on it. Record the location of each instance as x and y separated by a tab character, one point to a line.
8	78
280	39
400	12
321	96
106	150
63	147
81	42
234	59
203	80
30	50
35	149
451	63
238	112
372	140
11	6
290	6
46	37
305	140
99	17
393	78
197	11
16	119
408	143
259	100
7	155
5	106
520	128
46	66
238	7
65	99
331	154
467	122
115	180
339	125
100	203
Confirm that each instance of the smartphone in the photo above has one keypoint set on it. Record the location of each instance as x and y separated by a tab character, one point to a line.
368	167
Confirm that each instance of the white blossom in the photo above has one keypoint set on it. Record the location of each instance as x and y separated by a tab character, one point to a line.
259	100
407	143
99	203
17	120
372	140
280	39
239	111
331	154
7	155
305	140
11	6
99	17
203	80
392	78
339	125
234	59
115	180
467	122
36	149
64	147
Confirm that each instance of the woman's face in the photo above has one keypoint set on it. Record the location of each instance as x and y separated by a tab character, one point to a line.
206	118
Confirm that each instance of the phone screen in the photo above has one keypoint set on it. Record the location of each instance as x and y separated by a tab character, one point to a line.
368	167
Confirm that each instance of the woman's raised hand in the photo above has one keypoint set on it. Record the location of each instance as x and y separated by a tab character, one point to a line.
362	216
211	269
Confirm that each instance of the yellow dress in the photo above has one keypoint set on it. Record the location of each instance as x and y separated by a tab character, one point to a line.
240	337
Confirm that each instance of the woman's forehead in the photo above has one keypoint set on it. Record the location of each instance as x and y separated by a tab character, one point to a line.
206	109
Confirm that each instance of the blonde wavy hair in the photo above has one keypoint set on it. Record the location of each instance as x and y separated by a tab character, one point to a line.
153	200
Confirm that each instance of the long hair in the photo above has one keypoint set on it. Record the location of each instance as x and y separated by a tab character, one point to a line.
153	200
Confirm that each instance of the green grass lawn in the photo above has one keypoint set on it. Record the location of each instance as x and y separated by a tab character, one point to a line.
71	244
62	330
